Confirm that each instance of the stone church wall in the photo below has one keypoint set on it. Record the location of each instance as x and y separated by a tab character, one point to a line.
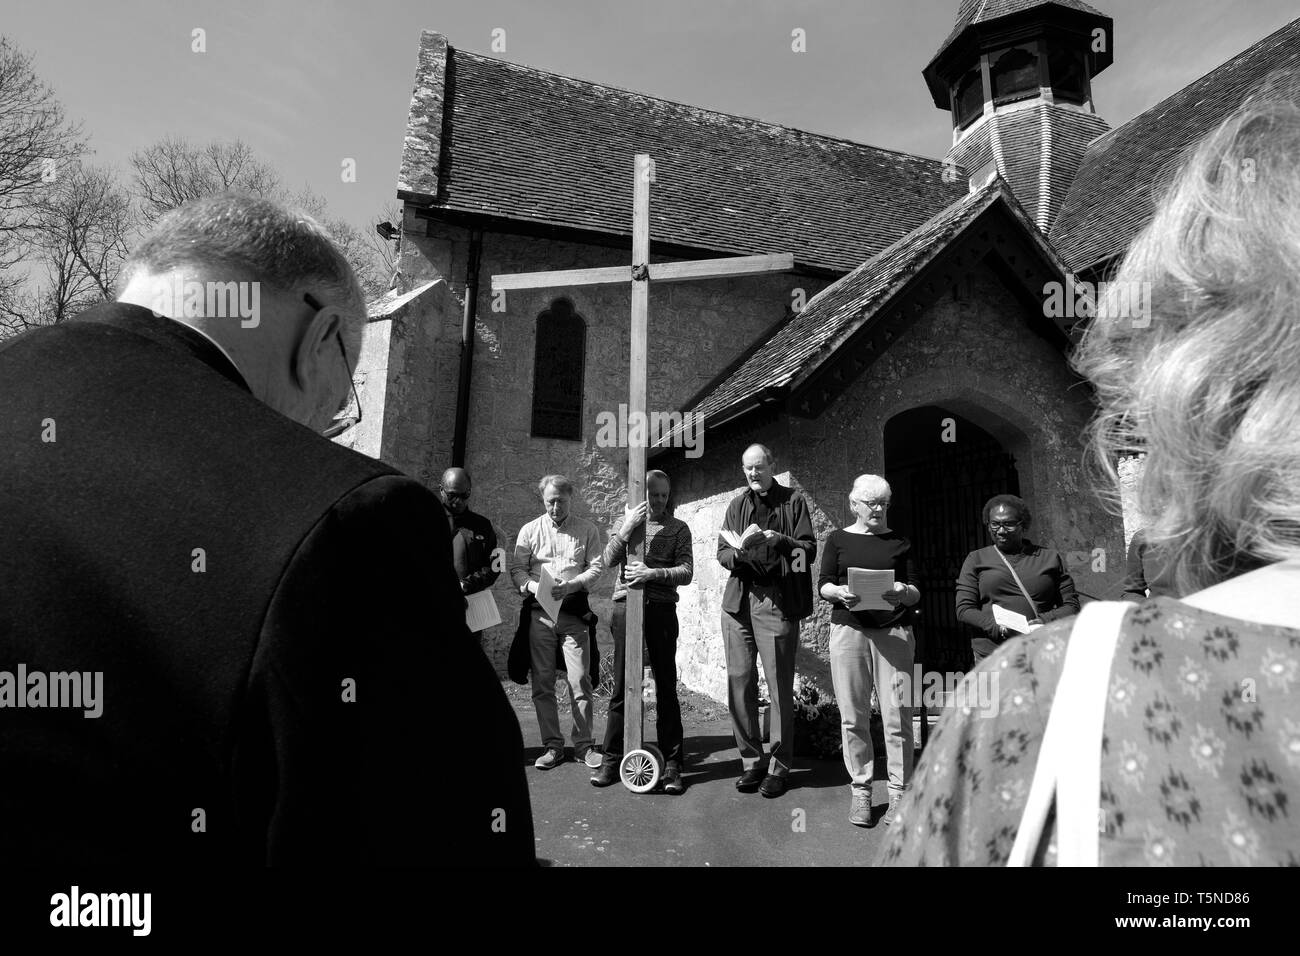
975	356
403	406
1130	474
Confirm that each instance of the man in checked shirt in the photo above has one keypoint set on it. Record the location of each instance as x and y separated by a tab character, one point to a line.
668	565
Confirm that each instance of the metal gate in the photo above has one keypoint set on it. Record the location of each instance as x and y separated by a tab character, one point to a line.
945	493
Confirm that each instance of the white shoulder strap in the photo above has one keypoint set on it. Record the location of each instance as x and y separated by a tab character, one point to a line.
1069	761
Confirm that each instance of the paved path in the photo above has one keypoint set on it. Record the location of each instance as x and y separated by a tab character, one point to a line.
712	824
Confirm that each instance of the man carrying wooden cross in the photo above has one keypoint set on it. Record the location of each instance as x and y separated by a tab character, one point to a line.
668	565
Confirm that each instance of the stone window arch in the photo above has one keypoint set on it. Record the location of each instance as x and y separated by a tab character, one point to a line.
559	364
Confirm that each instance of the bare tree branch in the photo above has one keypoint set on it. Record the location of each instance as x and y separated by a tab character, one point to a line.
37	143
173	172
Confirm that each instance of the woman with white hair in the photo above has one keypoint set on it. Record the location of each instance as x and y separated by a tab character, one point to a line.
871	647
1173	723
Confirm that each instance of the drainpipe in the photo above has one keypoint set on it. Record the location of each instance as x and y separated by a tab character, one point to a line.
467	348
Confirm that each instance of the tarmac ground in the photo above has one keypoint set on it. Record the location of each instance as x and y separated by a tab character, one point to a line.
712	823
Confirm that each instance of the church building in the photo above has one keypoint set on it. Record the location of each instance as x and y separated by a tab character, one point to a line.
923	334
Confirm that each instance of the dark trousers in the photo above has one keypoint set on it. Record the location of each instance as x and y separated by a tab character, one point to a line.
760	630
661	648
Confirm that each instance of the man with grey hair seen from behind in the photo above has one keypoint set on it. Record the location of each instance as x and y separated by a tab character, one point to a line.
268	609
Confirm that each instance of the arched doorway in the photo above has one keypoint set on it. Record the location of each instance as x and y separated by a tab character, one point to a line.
942	467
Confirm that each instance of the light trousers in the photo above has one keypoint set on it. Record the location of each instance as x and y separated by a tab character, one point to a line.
573	635
862	658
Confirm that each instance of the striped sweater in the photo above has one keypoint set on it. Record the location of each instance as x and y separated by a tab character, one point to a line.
668	553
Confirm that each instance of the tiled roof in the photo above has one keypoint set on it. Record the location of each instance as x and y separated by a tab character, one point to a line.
1114	194
495	138
811	336
972	12
1039	149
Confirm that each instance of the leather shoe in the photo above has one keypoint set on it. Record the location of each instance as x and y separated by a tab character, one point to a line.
750	779
773	786
607	775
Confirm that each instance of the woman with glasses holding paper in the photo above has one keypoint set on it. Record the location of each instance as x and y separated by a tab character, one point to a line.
865	575
1014	585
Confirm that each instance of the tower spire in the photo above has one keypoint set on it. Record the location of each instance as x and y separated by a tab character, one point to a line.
1016	76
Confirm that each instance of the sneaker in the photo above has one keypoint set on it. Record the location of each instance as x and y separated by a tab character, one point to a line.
553	757
590	756
673	779
860	807
607	775
892	813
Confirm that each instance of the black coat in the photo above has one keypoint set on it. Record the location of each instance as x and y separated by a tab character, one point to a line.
225	669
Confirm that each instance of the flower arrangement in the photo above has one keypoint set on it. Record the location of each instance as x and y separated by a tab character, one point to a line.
816	721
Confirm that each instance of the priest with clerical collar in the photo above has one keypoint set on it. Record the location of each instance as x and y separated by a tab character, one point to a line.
768	545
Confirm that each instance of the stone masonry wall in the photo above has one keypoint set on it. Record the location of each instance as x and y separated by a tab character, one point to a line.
402	404
1130	475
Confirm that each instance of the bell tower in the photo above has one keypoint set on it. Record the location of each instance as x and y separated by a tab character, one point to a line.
1016	75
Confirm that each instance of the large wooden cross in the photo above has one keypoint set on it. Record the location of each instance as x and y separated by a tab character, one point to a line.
639	274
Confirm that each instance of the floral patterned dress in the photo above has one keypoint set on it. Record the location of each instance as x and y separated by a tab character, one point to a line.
1200	751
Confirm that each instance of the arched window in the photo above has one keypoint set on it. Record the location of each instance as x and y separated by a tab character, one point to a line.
1014	74
559	359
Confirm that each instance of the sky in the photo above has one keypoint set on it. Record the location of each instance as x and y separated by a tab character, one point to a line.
310	86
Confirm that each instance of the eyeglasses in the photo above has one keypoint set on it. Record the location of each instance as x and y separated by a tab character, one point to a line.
457	495
343	424
874	504
1004	525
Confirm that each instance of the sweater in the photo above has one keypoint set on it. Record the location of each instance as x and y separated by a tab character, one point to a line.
984	581
889	551
667	552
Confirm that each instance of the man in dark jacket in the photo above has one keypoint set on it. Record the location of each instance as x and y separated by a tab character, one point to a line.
269	615
768	545
473	539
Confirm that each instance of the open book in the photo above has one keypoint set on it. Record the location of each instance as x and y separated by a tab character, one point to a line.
737	541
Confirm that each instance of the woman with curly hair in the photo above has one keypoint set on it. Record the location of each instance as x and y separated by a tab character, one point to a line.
1166	732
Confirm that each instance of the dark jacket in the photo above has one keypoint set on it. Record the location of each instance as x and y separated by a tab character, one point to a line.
1147	568
271	614
791	520
472	543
